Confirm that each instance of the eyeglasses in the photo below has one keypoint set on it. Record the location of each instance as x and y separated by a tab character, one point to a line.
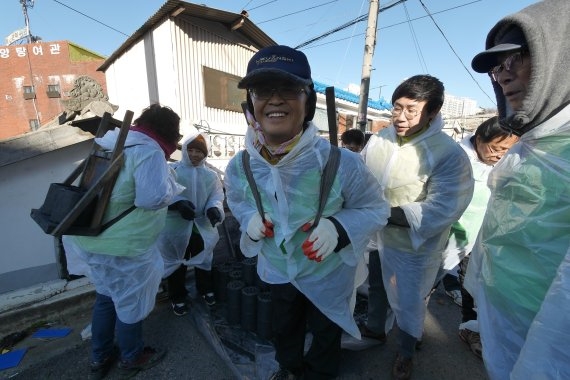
408	113
286	93
511	63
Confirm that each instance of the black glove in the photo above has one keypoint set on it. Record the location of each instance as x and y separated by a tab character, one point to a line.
398	217
185	208
214	215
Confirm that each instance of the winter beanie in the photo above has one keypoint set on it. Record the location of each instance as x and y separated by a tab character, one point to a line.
198	143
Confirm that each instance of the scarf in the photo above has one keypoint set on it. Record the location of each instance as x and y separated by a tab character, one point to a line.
167	147
271	153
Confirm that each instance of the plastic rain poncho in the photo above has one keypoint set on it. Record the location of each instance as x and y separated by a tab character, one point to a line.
523	246
289	192
430	179
523	253
204	189
123	262
465	230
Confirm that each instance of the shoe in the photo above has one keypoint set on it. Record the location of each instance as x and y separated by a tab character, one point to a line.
473	340
418	345
209	298
455	296
283	374
179	309
402	369
99	370
367	333
148	358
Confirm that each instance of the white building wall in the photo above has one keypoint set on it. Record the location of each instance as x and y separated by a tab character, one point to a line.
127	86
28	255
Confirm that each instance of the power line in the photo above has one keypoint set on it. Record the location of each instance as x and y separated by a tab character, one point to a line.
361	18
415	39
453	50
89	17
296	12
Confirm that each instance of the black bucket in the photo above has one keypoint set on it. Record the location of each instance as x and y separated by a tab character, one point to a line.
223	277
234	302
264	327
249	308
249	271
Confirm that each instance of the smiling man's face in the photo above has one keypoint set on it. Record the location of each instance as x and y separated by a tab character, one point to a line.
281	114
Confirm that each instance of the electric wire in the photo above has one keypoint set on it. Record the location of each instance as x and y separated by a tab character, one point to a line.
455	53
91	18
361	18
297	12
416	43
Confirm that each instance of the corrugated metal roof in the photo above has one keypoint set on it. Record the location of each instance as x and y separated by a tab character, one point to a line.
379	104
248	28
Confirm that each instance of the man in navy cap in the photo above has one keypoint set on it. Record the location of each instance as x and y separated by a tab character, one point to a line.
520	264
311	266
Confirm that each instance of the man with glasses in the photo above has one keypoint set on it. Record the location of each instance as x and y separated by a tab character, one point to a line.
522	275
427	179
311	267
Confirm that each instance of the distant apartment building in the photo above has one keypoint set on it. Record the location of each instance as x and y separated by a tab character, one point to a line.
37	80
454	106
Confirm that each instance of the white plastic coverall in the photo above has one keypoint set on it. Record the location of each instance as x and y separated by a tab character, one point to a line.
123	262
289	192
430	178
204	189
522	252
472	217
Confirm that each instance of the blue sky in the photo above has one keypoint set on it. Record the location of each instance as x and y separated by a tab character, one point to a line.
409	42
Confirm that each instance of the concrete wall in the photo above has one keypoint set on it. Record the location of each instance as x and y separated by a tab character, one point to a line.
27	254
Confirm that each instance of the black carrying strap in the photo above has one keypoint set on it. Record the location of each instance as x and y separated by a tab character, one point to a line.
327	179
252	184
109	223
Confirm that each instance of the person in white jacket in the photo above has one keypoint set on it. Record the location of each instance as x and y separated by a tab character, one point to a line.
484	148
191	232
427	179
523	280
123	262
310	269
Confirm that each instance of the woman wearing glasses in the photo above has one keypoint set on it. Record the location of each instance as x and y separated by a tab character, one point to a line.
311	269
427	179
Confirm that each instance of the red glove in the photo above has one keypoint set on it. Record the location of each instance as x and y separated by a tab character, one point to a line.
321	242
257	229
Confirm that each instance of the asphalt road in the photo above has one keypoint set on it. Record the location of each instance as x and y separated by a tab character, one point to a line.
195	353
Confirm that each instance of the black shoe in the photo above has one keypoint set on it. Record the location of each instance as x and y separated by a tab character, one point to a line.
283	374
209	298
180	309
98	370
148	358
367	333
402	369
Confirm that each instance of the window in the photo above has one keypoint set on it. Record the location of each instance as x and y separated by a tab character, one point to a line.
29	92
220	90
53	91
34	124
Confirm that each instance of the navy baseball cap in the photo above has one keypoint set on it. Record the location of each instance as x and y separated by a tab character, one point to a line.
277	61
512	40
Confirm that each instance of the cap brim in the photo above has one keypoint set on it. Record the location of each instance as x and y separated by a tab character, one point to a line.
485	61
263	75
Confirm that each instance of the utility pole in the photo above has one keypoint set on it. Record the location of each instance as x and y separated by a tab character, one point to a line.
370	43
25	5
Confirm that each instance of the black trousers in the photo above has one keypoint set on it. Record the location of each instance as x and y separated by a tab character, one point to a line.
177	291
467	303
292	314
